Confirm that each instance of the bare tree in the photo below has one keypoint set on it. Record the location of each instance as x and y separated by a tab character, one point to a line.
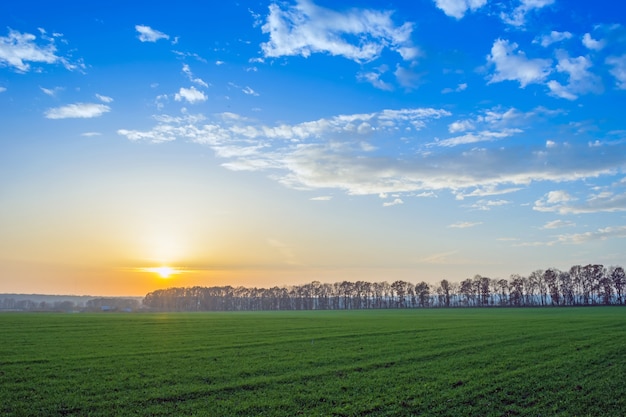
503	286
444	285
606	288
467	290
591	276
551	276
567	288
576	275
423	294
538	286
516	290
618	277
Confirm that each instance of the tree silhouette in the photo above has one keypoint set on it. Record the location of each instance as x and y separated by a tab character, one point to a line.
588	285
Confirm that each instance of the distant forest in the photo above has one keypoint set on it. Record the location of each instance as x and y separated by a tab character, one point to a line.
581	285
66	303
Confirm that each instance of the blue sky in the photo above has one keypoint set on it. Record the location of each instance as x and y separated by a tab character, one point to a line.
271	143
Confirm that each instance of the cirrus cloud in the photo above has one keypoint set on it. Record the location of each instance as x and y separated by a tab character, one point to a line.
357	154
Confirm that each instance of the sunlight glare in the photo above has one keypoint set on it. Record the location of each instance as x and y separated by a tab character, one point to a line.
163	271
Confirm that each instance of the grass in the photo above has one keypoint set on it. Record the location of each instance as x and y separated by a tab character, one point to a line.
470	362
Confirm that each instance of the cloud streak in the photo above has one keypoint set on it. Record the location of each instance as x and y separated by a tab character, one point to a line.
464	225
338	153
77	111
562	203
615	232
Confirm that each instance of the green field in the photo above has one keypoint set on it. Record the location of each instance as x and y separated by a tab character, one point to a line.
454	362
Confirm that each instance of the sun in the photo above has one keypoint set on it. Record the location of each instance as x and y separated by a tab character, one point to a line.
163	271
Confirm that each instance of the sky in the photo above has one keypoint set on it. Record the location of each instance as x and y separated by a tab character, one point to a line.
159	144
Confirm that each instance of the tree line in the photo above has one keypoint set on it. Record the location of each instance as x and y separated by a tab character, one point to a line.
580	285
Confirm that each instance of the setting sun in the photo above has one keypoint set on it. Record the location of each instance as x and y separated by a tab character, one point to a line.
163	271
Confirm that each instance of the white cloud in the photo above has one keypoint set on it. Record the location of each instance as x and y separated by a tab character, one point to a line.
104	99
408	53
487	205
497	117
249	91
491	125
618	232
485	191
91	134
246	90
77	111
555	197
553	37
358	34
562	203
518	16
557	224
458	89
373	77
619	70
579	79
52	92
19	50
464	225
514	66
559	90
322	198
458	8
591	43
190	76
191	95
3	89
395	202
190	55
159	134
460	126
483	136
329	154
147	34
406	77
